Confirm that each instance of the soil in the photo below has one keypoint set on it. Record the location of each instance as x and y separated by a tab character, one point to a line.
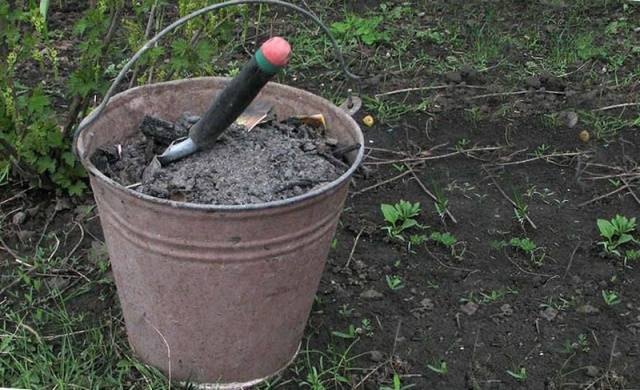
272	161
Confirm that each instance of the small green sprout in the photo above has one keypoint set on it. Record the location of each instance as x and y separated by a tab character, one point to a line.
446	239
441	204
450	242
520	374
396	384
610	297
439	368
366	327
530	248
416	240
350	333
631	255
394	282
616	232
541	150
520	210
400	217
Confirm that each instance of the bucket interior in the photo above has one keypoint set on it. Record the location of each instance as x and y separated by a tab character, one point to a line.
125	111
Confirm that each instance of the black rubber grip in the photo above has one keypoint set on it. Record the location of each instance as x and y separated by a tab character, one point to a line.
229	104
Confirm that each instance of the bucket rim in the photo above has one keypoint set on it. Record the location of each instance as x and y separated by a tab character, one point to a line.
85	160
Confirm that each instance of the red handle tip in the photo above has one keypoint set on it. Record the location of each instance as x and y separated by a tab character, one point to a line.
277	51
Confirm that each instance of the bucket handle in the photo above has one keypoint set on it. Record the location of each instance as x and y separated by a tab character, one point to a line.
96	113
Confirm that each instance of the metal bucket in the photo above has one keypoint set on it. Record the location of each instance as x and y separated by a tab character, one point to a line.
215	294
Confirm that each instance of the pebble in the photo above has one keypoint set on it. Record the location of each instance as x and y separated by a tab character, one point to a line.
19	218
592	371
570	119
371	294
549	314
506	309
469	308
427	304
376	356
533	82
454	77
588	309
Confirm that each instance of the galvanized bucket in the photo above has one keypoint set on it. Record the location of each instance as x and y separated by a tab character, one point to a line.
217	295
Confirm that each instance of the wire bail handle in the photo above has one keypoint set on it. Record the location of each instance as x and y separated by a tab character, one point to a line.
151	43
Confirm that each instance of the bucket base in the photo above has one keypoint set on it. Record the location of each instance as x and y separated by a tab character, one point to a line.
243	385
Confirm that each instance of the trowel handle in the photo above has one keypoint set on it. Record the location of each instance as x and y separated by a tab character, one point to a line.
229	104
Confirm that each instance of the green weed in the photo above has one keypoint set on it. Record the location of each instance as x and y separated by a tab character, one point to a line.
616	232
439	368
400	217
394	282
610	297
519	374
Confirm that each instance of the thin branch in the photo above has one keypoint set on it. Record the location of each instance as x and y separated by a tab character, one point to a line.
613	107
353	248
608	194
523	92
545	157
631	191
573	254
420	159
403	174
504	194
426	190
427	88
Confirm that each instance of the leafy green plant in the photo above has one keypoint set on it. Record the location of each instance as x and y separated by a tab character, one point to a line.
400	217
616	232
439	368
394	282
610	297
519	374
396	384
365	30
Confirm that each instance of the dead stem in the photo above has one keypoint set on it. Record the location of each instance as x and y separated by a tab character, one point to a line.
504	194
421	159
431	195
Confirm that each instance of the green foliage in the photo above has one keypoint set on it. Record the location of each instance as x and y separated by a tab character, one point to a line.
524	244
350	333
365	30
439	368
394	282
446	239
27	117
610	297
616	232
396	384
519	374
400	217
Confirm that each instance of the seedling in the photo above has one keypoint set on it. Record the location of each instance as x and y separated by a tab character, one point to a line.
520	210
631	255
520	374
541	150
439	368
400	217
416	240
394	282
397	384
441	204
530	248
581	344
350	333
345	310
450	242
366	327
610	297
616	232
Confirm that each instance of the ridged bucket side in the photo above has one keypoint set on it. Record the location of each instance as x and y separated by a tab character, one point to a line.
215	294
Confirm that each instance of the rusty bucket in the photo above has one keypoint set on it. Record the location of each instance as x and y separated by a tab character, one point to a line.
215	294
